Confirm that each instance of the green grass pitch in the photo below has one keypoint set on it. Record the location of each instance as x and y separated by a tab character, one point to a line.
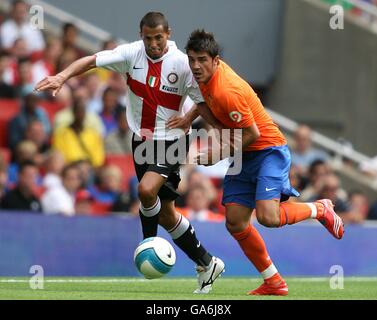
170	288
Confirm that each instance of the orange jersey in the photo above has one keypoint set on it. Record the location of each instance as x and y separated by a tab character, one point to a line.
235	104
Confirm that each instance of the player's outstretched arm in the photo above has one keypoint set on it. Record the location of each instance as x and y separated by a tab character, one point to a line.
183	122
208	116
55	83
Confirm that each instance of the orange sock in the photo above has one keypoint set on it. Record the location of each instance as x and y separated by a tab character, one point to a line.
254	248
293	212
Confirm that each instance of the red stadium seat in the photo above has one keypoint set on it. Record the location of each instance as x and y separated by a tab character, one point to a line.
51	109
8	110
100	208
6	154
125	164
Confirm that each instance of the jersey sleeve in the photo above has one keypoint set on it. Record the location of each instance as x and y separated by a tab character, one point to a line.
239	111
115	60
192	89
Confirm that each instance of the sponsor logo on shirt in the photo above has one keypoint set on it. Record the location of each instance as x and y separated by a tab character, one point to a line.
172	77
169	89
235	116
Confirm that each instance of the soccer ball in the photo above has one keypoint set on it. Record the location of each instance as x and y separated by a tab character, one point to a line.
154	257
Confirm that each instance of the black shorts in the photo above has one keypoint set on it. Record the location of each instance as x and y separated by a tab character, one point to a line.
161	162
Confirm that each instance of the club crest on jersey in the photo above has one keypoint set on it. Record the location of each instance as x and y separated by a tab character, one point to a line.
172	77
235	116
153	81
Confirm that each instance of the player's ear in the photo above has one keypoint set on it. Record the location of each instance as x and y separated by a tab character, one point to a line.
169	33
216	60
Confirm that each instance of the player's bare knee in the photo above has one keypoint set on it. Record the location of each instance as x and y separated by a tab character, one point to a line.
146	193
235	226
268	220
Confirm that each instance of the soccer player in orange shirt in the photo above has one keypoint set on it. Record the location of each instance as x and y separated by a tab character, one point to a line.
263	182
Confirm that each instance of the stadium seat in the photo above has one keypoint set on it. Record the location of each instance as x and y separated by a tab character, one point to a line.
51	109
8	110
125	164
100	208
6	154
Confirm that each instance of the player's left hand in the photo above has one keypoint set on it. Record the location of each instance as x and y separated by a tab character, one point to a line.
176	122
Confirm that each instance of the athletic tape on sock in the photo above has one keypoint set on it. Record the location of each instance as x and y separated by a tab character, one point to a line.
269	272
180	228
152	211
314	210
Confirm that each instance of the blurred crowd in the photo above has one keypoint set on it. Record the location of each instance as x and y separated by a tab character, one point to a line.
71	155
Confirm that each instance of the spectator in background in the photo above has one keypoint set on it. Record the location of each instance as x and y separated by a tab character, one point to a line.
103	74
359	207
95	91
87	173
109	44
83	203
18	56
30	111
3	177
318	170
331	189
24	77
295	179
64	117
369	168
372	214
26	151
22	197
303	153
78	142
109	109
194	178
46	66
198	206
119	84
53	165
61	199
126	203
70	39
108	188
36	133
7	91
19	26
119	140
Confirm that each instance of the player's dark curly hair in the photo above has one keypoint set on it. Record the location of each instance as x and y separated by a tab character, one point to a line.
203	41
153	20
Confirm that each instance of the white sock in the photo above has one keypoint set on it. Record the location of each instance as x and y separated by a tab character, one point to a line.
313	207
152	211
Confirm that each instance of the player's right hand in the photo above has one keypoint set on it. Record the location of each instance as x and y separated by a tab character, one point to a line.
53	83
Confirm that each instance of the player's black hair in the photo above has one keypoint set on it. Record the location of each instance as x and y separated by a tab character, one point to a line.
153	20
25	164
4	54
69	25
203	41
314	164
16	2
68	167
